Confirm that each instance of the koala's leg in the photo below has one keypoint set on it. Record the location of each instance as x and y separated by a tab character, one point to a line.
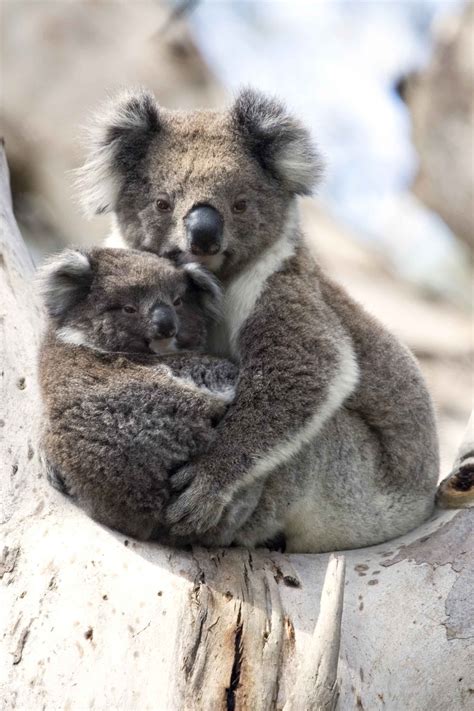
243	509
255	519
264	528
393	401
126	520
277	543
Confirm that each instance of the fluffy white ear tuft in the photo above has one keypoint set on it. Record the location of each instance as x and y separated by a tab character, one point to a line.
63	281
118	139
280	143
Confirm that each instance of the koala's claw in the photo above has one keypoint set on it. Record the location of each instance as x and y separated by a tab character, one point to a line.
182	478
56	479
196	510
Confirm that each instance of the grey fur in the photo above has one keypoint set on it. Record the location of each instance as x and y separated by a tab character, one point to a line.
118	419
278	141
64	280
119	138
332	429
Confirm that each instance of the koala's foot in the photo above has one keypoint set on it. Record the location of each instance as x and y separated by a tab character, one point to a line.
276	543
457	490
56	479
237	513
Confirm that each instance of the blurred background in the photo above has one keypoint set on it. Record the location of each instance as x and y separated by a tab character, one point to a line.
386	87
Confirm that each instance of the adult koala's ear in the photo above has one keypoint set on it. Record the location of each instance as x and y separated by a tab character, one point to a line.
280	143
118	140
63	281
206	287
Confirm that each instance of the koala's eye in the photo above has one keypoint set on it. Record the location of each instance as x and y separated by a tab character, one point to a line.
239	206
163	203
129	309
178	301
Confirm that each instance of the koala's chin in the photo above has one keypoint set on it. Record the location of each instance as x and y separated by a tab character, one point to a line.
164	345
213	262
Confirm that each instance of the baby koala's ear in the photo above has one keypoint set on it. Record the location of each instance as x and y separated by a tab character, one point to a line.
64	280
207	288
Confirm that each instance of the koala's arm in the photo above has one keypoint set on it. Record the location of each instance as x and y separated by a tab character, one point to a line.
297	367
215	374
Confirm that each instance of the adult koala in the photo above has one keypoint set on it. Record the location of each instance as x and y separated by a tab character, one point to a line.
332	427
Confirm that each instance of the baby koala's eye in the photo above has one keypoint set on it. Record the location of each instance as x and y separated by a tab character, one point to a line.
163	203
178	301
239	206
129	309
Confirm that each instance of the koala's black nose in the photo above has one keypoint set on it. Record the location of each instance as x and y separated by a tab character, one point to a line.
164	322
204	225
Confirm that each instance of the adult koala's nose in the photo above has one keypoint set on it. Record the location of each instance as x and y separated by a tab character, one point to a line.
204	227
164	324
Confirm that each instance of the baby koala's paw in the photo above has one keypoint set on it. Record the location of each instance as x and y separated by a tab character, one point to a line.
219	403
226	374
457	490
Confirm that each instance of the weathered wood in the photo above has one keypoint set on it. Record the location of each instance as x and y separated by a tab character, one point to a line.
234	636
91	620
316	686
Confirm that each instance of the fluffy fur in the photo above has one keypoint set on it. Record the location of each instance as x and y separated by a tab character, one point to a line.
123	127
332	429
117	418
278	141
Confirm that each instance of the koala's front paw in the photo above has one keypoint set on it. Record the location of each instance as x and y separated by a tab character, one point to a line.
198	507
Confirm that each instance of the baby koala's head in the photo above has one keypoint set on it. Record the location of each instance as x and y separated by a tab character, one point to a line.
121	300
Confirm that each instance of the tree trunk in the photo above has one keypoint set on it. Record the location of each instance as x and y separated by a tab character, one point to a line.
90	620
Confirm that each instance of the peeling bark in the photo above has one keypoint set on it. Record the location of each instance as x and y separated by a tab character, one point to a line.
234	607
89	619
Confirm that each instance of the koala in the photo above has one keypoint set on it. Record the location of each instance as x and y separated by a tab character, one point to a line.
127	395
331	438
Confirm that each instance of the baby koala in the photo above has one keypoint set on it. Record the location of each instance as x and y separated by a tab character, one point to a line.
127	398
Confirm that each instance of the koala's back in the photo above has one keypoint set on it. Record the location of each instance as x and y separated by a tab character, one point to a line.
115	426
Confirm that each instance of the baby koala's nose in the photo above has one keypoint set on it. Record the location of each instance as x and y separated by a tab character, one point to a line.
163	322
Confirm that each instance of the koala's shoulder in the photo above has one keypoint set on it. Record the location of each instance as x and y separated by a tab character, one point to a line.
297	280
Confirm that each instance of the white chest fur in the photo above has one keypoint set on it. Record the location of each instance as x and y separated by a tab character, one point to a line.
243	292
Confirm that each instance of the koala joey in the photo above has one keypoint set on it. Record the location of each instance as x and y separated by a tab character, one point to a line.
332	429
125	401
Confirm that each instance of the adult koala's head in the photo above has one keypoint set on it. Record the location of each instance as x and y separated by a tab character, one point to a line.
212	186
